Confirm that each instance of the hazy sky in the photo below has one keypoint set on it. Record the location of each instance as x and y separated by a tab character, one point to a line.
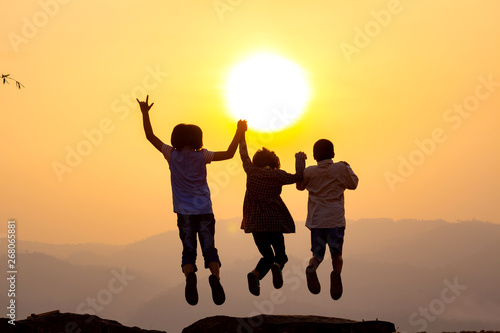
408	91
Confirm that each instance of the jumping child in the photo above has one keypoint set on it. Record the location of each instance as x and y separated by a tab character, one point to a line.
191	197
264	212
326	183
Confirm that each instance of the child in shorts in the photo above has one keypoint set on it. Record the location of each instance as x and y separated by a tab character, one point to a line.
326	183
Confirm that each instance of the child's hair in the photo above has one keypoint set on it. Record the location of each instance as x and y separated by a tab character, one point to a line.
266	158
323	150
187	135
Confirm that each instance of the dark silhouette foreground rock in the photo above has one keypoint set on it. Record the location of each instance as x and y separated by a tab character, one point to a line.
288	324
56	322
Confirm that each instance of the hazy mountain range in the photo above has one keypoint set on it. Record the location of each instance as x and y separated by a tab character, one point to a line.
421	275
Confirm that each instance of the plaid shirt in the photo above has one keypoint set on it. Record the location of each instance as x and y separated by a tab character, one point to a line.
263	208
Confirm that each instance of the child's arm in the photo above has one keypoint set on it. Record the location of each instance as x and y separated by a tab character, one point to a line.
229	153
350	179
302	183
300	164
148	129
247	162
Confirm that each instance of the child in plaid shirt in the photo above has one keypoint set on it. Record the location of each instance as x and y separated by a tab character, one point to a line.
265	215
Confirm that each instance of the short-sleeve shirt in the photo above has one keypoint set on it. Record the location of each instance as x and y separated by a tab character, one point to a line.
188	175
326	183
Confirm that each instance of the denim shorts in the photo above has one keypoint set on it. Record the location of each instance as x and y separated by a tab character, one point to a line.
334	237
203	226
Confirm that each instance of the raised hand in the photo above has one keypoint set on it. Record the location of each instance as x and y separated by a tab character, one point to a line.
144	105
301	155
242	125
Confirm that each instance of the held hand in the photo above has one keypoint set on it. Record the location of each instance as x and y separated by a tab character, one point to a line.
301	155
242	126
144	105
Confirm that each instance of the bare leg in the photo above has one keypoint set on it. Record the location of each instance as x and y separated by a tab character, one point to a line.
337	262
336	288
214	268
188	268
312	278
218	294
314	262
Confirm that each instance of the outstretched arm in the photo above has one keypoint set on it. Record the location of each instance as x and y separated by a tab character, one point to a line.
300	164
229	153
300	167
247	162
148	129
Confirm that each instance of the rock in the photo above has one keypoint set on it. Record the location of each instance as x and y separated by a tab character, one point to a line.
56	322
288	324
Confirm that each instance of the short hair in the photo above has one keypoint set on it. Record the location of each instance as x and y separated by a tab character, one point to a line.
187	135
323	150
266	158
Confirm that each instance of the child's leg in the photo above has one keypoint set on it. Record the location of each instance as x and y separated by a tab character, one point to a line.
314	263
337	262
278	244
214	268
335	241
206	234
187	233
263	242
188	268
318	248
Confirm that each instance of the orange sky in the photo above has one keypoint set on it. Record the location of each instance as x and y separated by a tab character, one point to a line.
408	91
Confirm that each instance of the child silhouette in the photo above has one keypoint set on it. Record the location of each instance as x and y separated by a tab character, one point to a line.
326	183
265	215
191	197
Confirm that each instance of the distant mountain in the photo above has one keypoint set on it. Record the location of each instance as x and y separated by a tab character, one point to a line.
421	275
45	283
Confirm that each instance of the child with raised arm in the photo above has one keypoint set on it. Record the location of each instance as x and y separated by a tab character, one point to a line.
191	197
326	183
264	212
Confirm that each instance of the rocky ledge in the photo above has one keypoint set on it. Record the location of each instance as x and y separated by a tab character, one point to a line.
56	322
288	324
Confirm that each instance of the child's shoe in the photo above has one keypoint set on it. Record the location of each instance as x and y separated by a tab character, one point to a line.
312	280
277	276
253	284
218	294
191	292
335	285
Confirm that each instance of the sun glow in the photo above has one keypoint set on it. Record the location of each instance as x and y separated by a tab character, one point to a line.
269	91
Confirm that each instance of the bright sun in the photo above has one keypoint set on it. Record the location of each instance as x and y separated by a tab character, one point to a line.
269	91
